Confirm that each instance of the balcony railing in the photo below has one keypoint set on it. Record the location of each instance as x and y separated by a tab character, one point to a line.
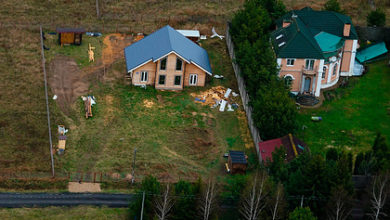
310	71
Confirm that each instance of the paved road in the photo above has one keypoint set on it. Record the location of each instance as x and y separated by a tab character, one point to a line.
15	200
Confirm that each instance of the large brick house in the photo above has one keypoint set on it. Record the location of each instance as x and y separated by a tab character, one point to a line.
314	48
166	59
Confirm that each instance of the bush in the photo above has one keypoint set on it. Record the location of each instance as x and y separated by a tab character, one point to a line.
333	5
376	18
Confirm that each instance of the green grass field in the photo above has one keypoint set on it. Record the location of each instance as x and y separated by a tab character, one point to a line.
351	121
175	137
48	213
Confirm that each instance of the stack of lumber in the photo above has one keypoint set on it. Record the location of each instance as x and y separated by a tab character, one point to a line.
88	107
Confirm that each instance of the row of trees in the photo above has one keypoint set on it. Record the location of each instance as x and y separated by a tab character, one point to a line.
273	111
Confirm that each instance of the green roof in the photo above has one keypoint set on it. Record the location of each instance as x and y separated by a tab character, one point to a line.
328	42
371	52
311	34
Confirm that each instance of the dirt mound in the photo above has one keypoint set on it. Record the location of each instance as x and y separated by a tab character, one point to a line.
66	81
114	45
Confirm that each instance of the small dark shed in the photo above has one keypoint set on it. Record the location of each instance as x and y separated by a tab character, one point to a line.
237	162
70	35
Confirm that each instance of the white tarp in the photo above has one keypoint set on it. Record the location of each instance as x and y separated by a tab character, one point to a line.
358	69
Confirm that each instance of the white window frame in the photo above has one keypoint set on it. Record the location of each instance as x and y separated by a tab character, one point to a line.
312	66
166	63
289	59
324	72
181	66
334	69
144	76
193	79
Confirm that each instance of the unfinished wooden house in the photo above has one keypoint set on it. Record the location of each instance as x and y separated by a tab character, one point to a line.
67	36
167	60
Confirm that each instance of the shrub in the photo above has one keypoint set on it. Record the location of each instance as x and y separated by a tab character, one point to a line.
376	18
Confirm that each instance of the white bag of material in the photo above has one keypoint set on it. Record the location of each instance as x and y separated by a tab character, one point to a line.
228	91
223	105
234	94
230	109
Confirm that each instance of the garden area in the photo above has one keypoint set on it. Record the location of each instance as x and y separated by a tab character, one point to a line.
355	114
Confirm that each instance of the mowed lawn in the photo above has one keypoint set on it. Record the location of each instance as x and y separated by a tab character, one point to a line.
351	120
176	138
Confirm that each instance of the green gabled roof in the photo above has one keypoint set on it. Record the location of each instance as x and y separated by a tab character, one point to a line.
295	41
326	21
311	34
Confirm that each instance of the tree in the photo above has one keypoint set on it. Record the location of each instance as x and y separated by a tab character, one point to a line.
339	205
186	199
277	168
254	200
275	112
164	205
208	200
301	214
332	154
333	5
151	187
376	18
380	190
277	202
381	152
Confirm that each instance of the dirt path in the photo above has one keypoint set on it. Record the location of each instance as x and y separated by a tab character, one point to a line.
84	187
67	81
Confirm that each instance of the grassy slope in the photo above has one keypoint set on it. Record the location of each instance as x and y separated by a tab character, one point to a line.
80	212
168	136
352	121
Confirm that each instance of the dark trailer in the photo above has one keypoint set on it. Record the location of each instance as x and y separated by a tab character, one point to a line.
237	162
70	35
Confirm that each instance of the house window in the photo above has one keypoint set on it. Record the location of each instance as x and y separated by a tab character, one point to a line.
144	76
290	62
179	64
309	64
193	79
177	80
334	69
323	72
161	79
288	80
163	64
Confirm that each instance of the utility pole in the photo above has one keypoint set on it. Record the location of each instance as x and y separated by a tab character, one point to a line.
142	208
302	201
132	172
47	103
97	9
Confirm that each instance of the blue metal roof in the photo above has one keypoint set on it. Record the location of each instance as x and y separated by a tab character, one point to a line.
161	43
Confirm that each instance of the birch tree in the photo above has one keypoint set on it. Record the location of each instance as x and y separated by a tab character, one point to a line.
254	202
380	189
339	206
277	202
208	200
164	205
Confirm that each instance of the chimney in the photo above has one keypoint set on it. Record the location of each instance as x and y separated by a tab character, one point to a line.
286	23
347	29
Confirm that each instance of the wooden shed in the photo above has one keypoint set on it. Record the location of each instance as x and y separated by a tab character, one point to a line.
70	35
237	162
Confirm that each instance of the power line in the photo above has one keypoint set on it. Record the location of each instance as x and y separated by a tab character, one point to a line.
47	103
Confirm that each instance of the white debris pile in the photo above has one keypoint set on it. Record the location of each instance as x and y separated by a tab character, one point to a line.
218	96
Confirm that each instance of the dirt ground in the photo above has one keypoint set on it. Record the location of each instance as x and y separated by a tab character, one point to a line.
67	81
84	187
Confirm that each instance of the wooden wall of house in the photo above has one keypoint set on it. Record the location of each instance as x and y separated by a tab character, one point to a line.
67	38
150	67
170	73
192	69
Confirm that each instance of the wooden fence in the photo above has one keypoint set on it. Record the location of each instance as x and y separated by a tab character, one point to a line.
244	95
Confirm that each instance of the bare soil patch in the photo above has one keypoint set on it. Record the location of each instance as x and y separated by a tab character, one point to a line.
114	45
84	187
66	81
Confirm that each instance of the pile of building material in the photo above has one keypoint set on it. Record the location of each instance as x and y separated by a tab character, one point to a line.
61	138
218	96
89	101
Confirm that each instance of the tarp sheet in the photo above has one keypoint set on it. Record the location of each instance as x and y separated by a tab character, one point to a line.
371	52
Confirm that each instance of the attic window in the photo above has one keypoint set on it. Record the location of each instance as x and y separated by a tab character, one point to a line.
278	37
281	44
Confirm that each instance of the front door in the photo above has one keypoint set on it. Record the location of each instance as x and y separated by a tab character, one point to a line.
306	88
